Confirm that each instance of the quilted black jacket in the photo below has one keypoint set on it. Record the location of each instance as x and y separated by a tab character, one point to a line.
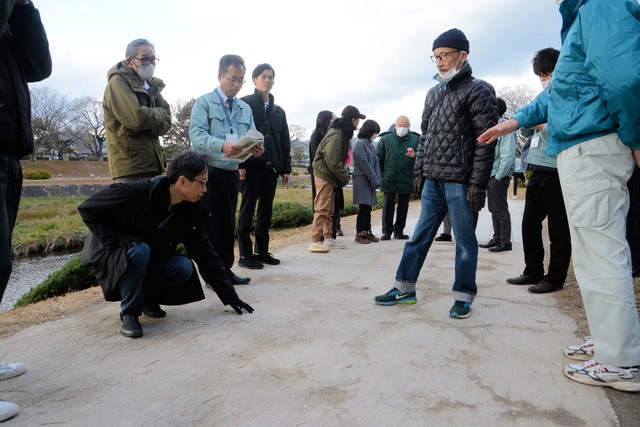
454	115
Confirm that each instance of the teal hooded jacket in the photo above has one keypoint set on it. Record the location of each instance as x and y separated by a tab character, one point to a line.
595	87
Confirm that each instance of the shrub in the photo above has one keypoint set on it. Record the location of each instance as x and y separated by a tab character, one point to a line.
36	174
289	214
71	277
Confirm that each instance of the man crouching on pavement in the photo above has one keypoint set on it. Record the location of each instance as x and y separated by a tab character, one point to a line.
134	229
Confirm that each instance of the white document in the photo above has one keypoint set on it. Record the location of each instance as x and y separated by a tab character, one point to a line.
251	139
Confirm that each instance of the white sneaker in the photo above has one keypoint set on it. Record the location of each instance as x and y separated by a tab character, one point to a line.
333	244
8	410
584	351
595	373
318	247
10	370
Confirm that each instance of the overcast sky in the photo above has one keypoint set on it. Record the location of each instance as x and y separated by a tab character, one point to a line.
327	54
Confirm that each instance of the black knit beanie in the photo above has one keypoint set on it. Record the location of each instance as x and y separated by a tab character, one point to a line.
454	39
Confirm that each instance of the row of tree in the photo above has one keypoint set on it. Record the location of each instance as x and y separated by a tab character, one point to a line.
75	128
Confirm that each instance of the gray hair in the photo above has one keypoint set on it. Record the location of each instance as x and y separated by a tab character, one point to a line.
132	48
227	60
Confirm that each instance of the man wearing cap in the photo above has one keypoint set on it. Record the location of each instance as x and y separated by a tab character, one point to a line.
453	169
331	172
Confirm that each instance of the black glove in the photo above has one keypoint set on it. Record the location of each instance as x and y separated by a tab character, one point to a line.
475	196
418	184
238	305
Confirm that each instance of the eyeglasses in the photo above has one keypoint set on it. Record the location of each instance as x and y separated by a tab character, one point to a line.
146	61
443	56
235	81
204	183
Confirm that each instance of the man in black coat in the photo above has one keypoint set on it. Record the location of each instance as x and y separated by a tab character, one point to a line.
131	246
259	175
24	57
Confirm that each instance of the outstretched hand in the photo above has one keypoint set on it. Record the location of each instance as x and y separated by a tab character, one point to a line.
238	305
501	129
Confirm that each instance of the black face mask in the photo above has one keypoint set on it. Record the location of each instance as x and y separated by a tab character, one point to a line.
6	7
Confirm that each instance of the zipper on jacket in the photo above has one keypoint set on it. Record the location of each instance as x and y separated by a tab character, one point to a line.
462	149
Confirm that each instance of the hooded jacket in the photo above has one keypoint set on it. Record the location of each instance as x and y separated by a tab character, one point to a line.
595	86
24	57
141	212
455	114
272	123
134	119
329	160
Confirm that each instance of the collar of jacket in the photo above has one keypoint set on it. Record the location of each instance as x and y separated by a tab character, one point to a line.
464	73
569	10
257	93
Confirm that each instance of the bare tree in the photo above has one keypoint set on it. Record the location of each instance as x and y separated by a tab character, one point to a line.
297	133
50	113
177	139
87	125
517	97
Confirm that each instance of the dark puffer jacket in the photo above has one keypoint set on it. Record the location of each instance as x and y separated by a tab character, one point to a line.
454	115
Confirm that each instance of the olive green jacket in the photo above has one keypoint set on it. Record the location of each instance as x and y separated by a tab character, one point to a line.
134	118
328	163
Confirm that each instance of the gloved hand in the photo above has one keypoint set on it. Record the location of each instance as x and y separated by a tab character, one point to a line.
475	196
238	305
418	184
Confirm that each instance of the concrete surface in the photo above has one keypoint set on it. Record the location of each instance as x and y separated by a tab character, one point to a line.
317	352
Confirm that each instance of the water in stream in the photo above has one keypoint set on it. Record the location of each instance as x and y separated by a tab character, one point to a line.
28	273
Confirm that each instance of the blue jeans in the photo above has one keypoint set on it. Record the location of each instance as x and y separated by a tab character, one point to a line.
147	277
436	198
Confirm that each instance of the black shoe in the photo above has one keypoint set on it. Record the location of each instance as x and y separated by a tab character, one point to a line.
444	237
237	280
491	243
250	262
385	237
267	259
339	232
524	279
400	236
130	326
543	287
501	247
153	310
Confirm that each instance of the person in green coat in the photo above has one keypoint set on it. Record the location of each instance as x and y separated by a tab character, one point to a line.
135	115
396	154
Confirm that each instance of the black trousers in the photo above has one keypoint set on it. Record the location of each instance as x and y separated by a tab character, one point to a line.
499	208
633	220
544	200
388	210
258	188
517	176
221	199
363	220
10	191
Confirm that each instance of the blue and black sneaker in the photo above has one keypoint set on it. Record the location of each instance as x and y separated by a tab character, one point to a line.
396	296
460	310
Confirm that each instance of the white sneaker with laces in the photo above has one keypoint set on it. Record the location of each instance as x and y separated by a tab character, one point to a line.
8	410
595	373
10	370
318	247
584	351
333	244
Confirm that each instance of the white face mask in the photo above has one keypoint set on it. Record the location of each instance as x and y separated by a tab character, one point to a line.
448	75
545	84
146	72
401	132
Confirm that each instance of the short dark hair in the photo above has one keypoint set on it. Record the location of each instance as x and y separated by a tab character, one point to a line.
502	107
260	68
368	129
228	60
188	164
544	61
